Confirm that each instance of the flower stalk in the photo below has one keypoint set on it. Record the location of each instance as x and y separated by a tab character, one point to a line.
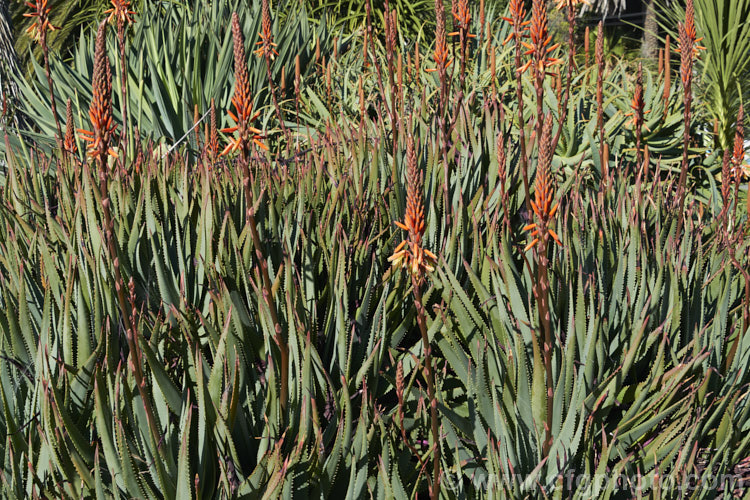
38	30
247	135
411	255
688	50
100	113
542	233
121	14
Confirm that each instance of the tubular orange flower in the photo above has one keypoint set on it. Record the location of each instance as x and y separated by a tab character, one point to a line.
41	24
539	48
690	32
242	99
267	47
441	46
544	194
100	111
519	25
120	12
410	253
462	17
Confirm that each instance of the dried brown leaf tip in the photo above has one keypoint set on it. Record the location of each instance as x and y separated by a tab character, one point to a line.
410	253
40	11
100	111
120	12
267	47
242	99
462	18
441	46
539	47
544	194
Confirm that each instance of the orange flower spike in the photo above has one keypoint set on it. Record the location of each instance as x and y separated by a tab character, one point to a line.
267	47
543	194
462	16
120	12
441	46
242	98
519	25
539	47
41	24
100	111
409	253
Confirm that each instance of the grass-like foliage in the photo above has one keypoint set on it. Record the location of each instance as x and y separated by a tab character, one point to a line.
483	267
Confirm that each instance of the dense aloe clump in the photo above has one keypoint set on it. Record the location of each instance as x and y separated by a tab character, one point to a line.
470	269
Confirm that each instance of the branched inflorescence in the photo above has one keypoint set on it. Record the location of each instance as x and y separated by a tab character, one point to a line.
242	99
411	254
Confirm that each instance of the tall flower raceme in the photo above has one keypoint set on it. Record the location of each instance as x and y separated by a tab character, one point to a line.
38	31
518	32
100	113
100	110
41	24
243	104
242	100
688	52
440	55
738	150
667	74
637	114
599	55
739	167
266	47
121	15
462	22
540	49
570	7
212	141
411	254
267	51
70	140
418	261
442	61
544	194
542	233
